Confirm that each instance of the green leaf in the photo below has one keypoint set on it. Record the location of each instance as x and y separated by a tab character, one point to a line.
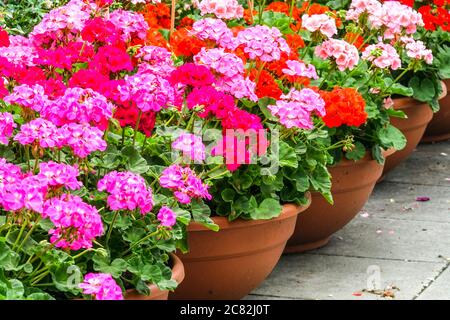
116	268
424	89
402	90
228	195
242	181
243	205
40	296
201	214
287	156
167	284
267	209
357	152
263	103
278	20
183	216
396	113
135	162
151	273
321	181
377	154
9	260
134	234
301	180
392	137
142	287
15	290
372	110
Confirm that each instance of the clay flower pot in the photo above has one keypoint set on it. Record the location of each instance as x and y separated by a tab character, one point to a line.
155	292
352	184
439	127
229	264
419	115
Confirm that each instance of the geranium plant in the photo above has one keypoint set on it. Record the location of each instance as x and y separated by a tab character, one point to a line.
362	52
78	215
94	107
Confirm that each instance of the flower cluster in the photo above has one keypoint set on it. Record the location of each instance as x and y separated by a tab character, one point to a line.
81	138
59	175
185	184
191	145
415	49
382	55
79	106
263	43
225	9
167	217
149	91
345	55
131	24
299	69
391	16
76	223
101	286
27	96
127	191
295	108
214	30
321	23
191	74
436	16
344	106
7	126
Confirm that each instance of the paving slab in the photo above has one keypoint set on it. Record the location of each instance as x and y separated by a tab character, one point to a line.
398	201
429	165
439	289
309	276
391	239
409	241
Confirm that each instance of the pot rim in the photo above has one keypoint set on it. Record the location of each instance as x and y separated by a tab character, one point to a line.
367	158
178	275
289	210
444	89
406	103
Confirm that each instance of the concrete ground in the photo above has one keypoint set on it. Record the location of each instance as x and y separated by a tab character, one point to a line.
396	248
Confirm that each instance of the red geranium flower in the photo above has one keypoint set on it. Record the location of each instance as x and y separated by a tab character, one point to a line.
4	38
344	106
266	86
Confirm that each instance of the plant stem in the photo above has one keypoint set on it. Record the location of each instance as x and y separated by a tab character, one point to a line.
22	229
140	241
172	17
81	254
39	278
29	234
261	6
251	7
27	156
136	127
291	11
116	214
397	79
327	77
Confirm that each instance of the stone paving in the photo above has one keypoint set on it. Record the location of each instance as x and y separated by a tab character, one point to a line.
396	243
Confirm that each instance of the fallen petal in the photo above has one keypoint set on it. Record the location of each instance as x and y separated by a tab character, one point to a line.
423	199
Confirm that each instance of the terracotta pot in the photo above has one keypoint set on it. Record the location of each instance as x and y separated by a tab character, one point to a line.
419	115
439	127
229	264
352	184
155	292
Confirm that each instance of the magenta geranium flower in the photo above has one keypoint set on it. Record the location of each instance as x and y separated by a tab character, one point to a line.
101	286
